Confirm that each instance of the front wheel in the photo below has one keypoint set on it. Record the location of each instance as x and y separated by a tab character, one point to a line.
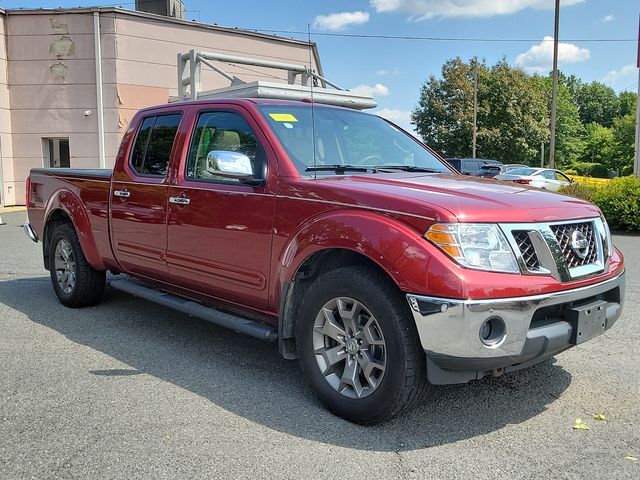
358	346
75	282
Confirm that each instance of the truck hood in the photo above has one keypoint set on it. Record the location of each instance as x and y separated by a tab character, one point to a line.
468	199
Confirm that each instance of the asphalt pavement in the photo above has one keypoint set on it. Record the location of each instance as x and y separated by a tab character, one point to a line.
128	389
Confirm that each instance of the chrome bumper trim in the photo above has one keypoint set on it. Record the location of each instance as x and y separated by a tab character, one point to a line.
451	327
30	232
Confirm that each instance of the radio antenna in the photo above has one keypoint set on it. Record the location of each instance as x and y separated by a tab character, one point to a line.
310	78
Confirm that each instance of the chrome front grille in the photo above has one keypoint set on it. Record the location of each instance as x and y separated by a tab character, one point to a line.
564	233
565	250
527	250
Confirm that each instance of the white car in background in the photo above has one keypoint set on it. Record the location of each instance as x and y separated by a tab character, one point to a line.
545	178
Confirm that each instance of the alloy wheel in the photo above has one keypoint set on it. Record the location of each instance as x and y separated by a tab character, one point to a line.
349	347
65	266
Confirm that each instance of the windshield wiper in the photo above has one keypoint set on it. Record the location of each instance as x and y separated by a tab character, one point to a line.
339	168
410	168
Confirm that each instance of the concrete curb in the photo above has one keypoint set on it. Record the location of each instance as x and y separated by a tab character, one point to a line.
12	209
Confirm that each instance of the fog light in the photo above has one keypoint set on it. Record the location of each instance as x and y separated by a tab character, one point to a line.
493	332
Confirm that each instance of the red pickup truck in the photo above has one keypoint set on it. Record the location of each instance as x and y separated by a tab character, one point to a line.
338	235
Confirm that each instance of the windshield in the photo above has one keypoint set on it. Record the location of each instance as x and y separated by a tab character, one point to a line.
344	137
521	171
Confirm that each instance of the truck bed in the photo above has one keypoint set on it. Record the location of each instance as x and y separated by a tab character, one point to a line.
80	194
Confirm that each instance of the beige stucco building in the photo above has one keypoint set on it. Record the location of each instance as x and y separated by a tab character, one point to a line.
51	103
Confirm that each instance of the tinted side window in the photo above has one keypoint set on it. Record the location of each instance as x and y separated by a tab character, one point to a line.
140	147
227	132
154	142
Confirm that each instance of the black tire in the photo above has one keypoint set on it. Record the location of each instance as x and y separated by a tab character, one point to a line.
88	285
404	381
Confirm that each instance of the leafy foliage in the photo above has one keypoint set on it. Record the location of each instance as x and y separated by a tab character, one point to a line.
597	103
619	200
594	125
511	112
588	169
599	145
620	203
580	190
444	116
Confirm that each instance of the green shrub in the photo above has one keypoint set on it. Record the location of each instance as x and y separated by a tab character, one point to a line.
626	170
620	202
580	190
571	171
586	169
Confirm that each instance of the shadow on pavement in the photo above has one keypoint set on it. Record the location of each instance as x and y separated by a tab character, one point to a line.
249	378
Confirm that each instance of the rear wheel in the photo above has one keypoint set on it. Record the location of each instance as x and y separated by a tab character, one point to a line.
75	282
358	346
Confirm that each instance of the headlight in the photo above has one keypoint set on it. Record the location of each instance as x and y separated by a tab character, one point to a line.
479	246
608	250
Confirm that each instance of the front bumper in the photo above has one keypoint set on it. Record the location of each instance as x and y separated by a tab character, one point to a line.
536	327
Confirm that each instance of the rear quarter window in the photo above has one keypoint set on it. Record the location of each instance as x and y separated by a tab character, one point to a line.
153	145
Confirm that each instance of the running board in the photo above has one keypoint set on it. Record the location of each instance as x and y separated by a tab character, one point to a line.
194	309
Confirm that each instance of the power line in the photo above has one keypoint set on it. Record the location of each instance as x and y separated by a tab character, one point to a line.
633	85
404	37
440	39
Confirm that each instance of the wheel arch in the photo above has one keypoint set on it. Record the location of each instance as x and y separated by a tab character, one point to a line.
315	265
65	207
333	240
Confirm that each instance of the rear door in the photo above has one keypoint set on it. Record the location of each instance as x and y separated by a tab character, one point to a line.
549	180
139	198
220	229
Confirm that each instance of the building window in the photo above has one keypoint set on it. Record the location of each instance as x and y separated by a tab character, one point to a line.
56	152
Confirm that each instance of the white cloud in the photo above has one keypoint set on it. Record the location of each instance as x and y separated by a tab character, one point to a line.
401	118
425	9
339	21
614	75
392	71
539	58
377	90
607	18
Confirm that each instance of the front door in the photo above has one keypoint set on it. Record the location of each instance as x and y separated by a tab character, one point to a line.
139	199
220	229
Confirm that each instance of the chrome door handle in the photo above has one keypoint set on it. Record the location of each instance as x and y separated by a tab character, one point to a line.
180	200
122	193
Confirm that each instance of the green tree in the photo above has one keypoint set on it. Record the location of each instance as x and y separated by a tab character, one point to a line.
624	135
512	119
597	103
599	146
628	102
569	128
444	115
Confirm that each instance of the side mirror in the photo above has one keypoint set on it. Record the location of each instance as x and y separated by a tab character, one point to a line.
232	165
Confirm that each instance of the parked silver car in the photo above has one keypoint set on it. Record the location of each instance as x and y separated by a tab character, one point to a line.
491	170
545	178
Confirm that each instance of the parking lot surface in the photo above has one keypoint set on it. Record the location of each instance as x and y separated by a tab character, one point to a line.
128	389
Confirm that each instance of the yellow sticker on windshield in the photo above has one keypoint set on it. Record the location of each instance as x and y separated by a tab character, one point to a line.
283	117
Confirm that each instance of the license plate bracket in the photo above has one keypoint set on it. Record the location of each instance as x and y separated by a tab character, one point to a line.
588	321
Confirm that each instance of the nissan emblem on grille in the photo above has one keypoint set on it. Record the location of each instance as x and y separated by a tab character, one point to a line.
580	244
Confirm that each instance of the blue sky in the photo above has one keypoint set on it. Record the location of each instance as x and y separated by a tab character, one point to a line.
394	70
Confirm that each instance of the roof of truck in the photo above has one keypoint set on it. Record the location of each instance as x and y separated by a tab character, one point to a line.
245	101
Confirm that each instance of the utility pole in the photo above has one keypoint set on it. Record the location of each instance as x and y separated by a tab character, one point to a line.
542	155
554	87
636	159
475	106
